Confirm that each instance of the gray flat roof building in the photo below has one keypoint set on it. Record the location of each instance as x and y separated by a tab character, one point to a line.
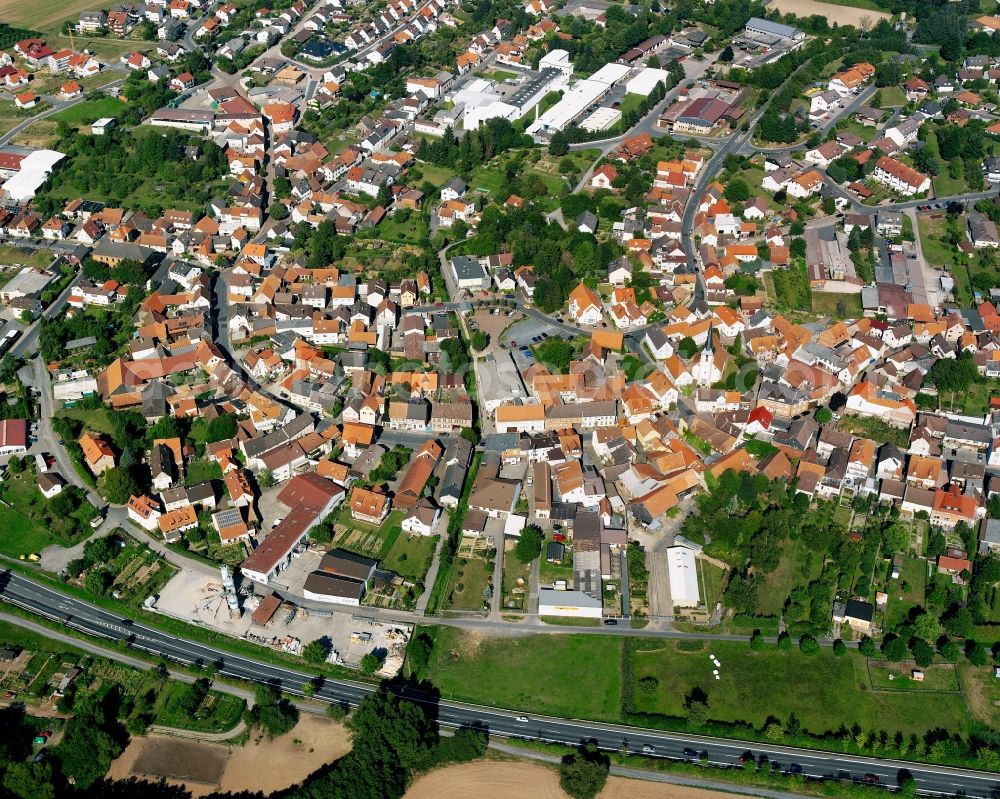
766	27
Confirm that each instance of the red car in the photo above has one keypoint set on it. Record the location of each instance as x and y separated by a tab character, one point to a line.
9	695
46	734
872	779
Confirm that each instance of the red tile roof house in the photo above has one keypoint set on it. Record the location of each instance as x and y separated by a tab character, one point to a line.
950	565
603	177
952	507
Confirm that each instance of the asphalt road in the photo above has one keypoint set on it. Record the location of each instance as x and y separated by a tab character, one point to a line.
936	780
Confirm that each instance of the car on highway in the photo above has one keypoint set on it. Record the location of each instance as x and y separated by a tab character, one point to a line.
522	719
611	622
872	779
648	750
794	768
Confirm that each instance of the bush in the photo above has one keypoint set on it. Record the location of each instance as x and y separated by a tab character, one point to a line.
317	651
808	645
839	648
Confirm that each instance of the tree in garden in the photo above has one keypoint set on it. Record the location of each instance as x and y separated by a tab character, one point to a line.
895	538
737	190
479	340
925	626
583	773
529	545
823	415
221	427
948	649
976	653
687	347
923	652
119	485
894	648
867	647
958	622
839	648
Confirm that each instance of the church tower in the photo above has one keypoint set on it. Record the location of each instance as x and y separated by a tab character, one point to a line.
706	363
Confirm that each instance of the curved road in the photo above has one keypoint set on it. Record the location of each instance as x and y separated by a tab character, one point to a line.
80	615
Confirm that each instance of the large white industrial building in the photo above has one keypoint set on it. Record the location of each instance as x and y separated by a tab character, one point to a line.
480	101
552	602
645	81
602	119
34	171
578	99
682	569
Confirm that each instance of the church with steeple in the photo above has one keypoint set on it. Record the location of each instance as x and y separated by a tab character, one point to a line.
711	363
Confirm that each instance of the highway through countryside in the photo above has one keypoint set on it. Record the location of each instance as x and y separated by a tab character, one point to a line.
47	602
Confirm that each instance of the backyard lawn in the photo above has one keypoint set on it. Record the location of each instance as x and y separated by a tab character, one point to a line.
438	175
574	676
13	256
201	470
469	579
711	583
845	306
864	132
797	564
410	556
20	535
96	419
410	231
548	573
89	110
515	594
631	102
892	97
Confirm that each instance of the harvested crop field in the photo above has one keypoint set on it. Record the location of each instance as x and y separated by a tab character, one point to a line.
842	15
277	764
267	766
516	780
185	761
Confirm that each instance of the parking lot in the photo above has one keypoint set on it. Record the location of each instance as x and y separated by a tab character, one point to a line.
195	598
529	333
493	324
